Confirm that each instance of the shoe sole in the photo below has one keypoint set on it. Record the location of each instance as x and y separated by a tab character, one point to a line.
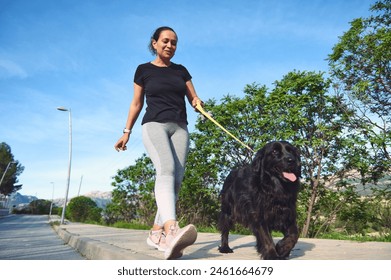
187	237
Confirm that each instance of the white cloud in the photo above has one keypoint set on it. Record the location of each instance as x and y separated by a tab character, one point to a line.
10	69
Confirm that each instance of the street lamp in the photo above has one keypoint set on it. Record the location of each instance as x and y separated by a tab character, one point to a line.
70	161
5	171
2	178
51	204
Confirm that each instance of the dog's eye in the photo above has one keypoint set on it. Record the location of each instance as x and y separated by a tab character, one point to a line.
275	152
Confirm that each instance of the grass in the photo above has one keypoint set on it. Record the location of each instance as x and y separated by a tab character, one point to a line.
130	225
55	223
359	238
135	225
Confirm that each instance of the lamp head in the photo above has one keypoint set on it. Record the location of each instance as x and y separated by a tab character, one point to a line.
62	109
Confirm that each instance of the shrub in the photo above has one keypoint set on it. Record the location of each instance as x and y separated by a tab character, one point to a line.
82	209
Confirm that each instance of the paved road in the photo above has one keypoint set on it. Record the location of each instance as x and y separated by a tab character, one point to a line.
28	237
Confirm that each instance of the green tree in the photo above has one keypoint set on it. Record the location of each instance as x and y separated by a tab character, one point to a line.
380	205
198	196
82	209
39	207
355	215
8	185
361	69
241	116
301	110
133	197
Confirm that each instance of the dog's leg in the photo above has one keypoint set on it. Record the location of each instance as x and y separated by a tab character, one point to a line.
225	224
285	245
265	245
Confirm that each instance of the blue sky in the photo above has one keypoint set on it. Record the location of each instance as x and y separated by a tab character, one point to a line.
82	55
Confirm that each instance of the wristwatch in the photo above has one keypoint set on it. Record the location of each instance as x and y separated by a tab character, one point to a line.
127	130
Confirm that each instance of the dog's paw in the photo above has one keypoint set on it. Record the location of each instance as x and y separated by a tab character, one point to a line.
225	250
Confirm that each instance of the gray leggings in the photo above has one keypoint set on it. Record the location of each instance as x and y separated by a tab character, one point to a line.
167	145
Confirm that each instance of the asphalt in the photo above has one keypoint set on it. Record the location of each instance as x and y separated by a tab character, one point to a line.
96	242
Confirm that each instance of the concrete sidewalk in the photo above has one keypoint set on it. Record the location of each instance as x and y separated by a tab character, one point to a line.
106	243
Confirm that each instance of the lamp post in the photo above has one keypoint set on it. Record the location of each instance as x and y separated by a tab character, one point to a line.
51	204
5	171
70	161
1	181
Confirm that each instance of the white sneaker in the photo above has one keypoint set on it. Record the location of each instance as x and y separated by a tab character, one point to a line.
178	239
156	239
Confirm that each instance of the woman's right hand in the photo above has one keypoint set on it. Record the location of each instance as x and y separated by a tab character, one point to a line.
121	143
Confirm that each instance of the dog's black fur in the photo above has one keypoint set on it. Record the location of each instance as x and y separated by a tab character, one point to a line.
261	198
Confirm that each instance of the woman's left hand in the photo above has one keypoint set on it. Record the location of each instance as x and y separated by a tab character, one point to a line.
195	102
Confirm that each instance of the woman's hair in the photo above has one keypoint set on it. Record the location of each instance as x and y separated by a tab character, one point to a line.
156	35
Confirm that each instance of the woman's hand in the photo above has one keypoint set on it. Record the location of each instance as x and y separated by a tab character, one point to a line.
121	143
195	102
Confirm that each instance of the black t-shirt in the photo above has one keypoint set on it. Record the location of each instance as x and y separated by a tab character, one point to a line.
165	91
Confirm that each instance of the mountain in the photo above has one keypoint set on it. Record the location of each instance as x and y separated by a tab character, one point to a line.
20	200
101	199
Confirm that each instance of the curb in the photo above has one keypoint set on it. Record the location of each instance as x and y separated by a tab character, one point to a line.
96	250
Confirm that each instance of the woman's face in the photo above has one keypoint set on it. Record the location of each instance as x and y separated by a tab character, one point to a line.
165	46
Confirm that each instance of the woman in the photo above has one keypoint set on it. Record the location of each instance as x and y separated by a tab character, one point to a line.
165	136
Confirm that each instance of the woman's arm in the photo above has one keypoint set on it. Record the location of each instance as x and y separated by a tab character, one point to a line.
192	95
134	111
136	106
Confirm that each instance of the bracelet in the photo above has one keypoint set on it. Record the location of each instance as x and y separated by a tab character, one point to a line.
127	131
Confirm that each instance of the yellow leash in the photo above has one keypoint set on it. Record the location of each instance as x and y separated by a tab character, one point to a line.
202	111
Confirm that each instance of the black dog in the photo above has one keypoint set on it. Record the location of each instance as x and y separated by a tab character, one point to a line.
262	196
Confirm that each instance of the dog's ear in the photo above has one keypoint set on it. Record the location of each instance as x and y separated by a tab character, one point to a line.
257	163
298	156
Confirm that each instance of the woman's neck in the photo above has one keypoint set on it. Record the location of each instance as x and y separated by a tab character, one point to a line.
161	63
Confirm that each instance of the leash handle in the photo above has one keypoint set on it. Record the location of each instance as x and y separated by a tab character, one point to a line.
202	111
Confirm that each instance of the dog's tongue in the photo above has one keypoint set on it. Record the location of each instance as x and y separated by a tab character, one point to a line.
290	176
